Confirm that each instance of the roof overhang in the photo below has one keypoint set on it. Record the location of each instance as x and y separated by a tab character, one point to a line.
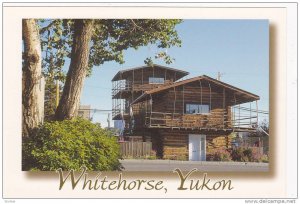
240	93
179	73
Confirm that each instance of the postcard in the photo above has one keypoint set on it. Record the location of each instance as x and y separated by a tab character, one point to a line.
137	100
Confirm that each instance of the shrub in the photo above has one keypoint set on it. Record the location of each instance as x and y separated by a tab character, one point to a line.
242	154
264	158
237	154
182	157
220	154
152	155
70	144
246	154
259	157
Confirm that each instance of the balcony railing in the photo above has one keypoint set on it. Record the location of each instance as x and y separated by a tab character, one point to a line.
218	120
125	85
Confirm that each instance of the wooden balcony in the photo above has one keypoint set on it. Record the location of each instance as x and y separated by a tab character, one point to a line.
123	89
215	120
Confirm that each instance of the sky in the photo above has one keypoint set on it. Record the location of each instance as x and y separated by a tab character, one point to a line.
238	49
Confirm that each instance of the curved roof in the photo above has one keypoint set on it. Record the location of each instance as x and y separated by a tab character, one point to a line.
179	73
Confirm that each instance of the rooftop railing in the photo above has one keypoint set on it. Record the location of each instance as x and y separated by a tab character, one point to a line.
126	85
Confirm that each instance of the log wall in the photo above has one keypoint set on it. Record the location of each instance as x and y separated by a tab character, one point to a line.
141	77
192	93
175	143
175	100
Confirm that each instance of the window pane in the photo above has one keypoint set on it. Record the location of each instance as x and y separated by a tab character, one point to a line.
193	108
204	109
196	108
155	80
187	108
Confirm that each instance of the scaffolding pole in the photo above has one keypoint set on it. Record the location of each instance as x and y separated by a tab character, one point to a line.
132	85
146	107
200	91
223	107
239	116
256	113
183	99
234	108
122	111
151	102
209	96
174	105
133	81
250	114
142	76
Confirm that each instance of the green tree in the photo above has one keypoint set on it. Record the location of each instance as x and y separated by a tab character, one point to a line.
53	43
90	43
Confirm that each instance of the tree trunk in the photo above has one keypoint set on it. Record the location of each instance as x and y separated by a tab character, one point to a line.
32	96
69	101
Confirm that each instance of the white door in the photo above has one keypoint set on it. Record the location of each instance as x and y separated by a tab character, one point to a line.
197	147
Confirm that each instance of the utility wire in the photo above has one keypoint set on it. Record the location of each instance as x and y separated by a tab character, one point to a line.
95	110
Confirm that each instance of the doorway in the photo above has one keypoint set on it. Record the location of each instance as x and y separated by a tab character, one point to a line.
197	147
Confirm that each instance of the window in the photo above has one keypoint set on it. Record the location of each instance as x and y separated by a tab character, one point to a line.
155	80
196	108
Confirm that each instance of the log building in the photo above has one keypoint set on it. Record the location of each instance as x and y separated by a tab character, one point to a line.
184	119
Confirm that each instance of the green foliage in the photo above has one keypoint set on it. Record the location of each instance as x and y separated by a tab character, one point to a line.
219	154
70	144
247	154
237	154
240	154
181	157
50	98
111	37
56	40
264	158
152	156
